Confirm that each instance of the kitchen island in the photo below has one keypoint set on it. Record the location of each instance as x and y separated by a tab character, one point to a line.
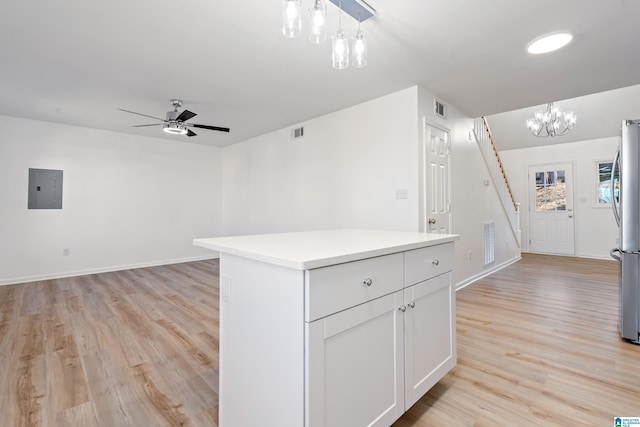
332	328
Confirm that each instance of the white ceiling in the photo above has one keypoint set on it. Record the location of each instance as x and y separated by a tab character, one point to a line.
599	116
77	61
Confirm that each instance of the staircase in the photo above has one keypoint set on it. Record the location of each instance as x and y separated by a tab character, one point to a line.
498	176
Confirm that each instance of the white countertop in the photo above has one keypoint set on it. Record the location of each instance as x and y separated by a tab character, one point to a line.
313	249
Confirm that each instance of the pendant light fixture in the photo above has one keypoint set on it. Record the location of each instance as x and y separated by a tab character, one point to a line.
291	18
340	46
318	27
359	49
344	50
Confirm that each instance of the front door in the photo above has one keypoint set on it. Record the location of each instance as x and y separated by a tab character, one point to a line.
551	216
436	186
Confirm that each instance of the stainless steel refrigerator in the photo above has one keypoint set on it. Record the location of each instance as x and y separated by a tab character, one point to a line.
625	199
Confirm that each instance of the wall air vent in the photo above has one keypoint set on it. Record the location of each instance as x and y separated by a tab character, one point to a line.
440	108
297	132
489	242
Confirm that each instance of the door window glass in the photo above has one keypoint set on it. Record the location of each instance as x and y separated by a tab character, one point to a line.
551	191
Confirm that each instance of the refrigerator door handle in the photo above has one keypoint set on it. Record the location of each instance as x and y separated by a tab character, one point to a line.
613	251
614	205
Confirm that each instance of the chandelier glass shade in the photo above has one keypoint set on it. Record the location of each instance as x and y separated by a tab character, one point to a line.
359	50
318	27
291	18
339	50
551	122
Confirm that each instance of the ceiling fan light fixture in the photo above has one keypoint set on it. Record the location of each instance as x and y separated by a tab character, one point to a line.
549	43
175	129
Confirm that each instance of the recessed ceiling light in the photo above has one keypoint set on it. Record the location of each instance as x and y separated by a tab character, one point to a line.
549	43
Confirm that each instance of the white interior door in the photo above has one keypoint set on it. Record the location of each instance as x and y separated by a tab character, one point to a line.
436	182
551	219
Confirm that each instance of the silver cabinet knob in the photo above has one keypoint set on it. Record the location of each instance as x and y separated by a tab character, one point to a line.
570	216
432	221
412	304
436	262
402	308
367	281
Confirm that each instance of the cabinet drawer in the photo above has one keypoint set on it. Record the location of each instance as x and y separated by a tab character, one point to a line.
338	287
425	263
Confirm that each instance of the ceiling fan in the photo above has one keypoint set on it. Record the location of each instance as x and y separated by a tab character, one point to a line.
175	122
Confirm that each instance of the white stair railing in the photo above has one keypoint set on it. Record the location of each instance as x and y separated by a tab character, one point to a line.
497	173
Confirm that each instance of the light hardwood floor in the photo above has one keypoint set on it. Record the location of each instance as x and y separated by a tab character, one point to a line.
129	348
537	346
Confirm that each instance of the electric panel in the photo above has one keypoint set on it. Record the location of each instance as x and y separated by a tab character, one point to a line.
45	189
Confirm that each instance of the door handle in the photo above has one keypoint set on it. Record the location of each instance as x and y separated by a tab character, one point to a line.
613	253
432	221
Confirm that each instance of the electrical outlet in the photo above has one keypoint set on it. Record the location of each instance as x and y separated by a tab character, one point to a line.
469	255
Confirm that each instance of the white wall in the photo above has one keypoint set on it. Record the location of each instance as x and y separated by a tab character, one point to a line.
133	201
472	202
127	200
595	229
342	174
345	171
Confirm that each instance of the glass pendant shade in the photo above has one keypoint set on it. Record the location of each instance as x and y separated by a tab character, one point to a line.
318	27
340	51
291	18
359	50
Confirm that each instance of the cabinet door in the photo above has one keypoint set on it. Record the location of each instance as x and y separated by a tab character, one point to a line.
354	366
430	329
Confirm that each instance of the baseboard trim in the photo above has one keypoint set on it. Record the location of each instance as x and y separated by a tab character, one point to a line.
587	256
61	275
486	273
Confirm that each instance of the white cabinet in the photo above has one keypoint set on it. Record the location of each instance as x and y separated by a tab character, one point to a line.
332	328
368	363
354	368
430	350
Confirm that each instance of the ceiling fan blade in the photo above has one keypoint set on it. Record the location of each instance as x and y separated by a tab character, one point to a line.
209	127
191	133
139	126
185	115
140	114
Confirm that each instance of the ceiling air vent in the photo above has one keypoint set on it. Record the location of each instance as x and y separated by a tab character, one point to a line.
440	109
297	132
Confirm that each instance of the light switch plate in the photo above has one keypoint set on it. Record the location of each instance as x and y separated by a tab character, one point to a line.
402	193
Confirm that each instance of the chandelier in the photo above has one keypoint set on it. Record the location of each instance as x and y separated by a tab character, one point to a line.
551	122
344	50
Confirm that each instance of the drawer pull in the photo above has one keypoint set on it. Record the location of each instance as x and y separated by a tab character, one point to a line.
436	262
412	304
402	308
367	281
